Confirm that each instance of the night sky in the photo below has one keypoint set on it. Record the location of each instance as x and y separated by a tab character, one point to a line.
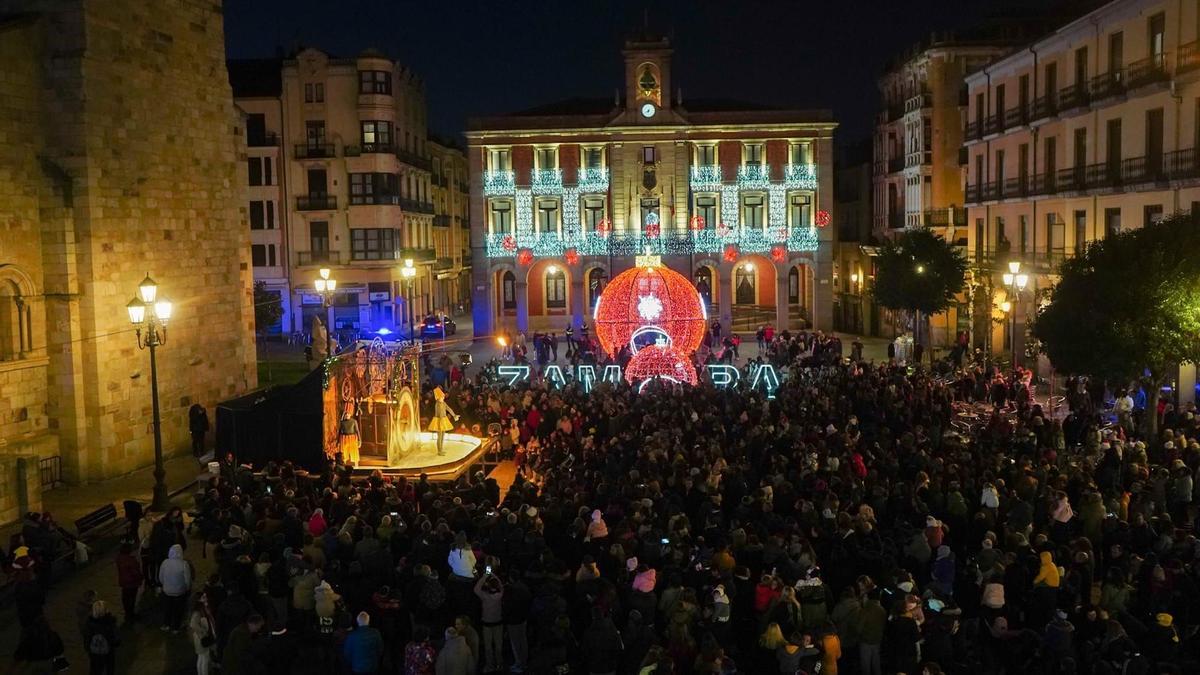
480	58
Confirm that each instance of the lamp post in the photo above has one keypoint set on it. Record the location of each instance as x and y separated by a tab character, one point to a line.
1015	281
154	322
409	272
326	287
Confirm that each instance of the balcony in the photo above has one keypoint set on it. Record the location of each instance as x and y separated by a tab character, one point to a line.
1182	164
369	149
1017	186
895	164
994	124
374	200
895	220
974	130
1043	107
1107	85
546	181
918	158
754	176
945	217
267	139
593	180
922	100
1015	117
668	242
415	206
315	151
989	191
1148	70
311	258
498	183
316	202
415	160
1189	58
1070	179
1074	96
800	177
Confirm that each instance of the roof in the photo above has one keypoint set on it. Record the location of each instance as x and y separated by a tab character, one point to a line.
569	106
256	78
702	105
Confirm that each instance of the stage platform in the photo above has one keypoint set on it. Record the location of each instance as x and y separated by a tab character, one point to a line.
463	452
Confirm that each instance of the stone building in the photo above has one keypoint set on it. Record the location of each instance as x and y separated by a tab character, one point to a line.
737	197
120	155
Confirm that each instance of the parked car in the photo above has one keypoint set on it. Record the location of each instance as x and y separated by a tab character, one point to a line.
432	326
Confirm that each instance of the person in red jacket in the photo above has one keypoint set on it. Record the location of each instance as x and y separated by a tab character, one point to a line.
129	578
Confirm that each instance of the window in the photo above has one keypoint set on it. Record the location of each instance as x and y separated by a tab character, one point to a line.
314	92
1001	237
256	129
376	135
753	153
1157	25
1152	214
556	289
1080	232
1023	224
706	155
593	158
270	215
318	240
593	212
508	294
268	179
752	211
596	281
374	82
648	156
799	210
502	217
374	188
257	213
258	255
1055	235
1116	58
800	153
374	243
547	215
650	213
1112	222
547	158
1081	67
980	237
706	208
255	168
314	132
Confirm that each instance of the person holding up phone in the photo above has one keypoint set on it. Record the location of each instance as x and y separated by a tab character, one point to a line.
490	591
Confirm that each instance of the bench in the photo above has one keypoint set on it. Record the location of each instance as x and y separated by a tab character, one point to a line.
96	522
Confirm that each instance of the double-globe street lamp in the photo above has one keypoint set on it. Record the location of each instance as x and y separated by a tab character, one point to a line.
409	272
325	288
149	314
1015	281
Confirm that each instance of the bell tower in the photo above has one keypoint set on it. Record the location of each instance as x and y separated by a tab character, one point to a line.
647	78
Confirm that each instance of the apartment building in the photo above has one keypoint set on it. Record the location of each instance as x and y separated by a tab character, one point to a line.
918	140
1081	134
451	226
352	187
735	196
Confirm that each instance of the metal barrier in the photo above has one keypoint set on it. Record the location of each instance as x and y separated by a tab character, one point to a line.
50	469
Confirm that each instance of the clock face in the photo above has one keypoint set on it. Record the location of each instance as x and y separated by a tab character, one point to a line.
648	110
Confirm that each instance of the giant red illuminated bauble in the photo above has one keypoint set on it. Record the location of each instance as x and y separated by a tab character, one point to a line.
650	299
662	361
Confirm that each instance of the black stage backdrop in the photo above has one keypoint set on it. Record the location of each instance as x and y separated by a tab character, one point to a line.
275	424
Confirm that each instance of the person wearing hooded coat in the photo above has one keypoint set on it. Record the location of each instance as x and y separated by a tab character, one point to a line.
175	578
455	657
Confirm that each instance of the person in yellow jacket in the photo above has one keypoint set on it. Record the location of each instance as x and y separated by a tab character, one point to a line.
441	423
1048	572
831	649
1045	592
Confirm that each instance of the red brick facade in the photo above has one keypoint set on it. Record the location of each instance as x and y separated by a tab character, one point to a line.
568	159
522	162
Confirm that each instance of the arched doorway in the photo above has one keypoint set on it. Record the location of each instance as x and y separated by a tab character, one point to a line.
597	279
753	290
745	284
705	281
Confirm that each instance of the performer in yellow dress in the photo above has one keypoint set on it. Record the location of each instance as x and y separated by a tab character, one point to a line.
348	437
441	418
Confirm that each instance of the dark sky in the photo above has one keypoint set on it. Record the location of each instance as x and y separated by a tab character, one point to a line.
481	58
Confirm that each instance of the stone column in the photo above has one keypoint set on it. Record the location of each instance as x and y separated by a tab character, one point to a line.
725	296
577	298
521	287
782	308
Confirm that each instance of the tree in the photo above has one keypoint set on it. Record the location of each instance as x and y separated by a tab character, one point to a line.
920	272
1128	308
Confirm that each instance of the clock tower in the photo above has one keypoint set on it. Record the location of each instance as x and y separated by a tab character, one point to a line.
647	79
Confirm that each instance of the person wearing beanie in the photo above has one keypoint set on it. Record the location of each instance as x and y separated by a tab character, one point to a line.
363	649
597	529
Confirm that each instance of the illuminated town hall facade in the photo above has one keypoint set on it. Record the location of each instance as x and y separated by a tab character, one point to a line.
736	197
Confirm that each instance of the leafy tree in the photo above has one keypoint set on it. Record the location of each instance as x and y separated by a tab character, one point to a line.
919	272
267	308
1128	308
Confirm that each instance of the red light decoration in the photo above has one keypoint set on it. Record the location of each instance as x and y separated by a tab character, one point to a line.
779	254
731	253
696	222
509	243
653	230
651	300
525	257
604	227
823	218
669	363
572	256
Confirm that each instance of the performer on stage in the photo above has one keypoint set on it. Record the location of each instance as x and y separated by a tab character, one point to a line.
348	436
441	422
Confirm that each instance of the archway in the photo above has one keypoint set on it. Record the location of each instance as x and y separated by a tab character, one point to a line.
705	277
595	279
549	288
800	293
752	289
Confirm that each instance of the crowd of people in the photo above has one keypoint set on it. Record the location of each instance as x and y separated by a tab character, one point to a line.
853	523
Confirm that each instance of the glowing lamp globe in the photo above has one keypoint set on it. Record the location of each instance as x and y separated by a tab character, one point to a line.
650	305
663	362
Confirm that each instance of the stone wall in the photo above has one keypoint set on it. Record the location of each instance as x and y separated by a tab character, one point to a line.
140	171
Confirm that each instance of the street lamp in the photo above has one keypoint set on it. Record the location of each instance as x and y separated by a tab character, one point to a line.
1015	281
409	272
326	288
154	322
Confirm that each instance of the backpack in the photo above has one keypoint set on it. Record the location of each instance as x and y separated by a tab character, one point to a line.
432	595
98	645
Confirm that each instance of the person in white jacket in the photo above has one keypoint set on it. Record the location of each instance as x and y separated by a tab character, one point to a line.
204	635
175	577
